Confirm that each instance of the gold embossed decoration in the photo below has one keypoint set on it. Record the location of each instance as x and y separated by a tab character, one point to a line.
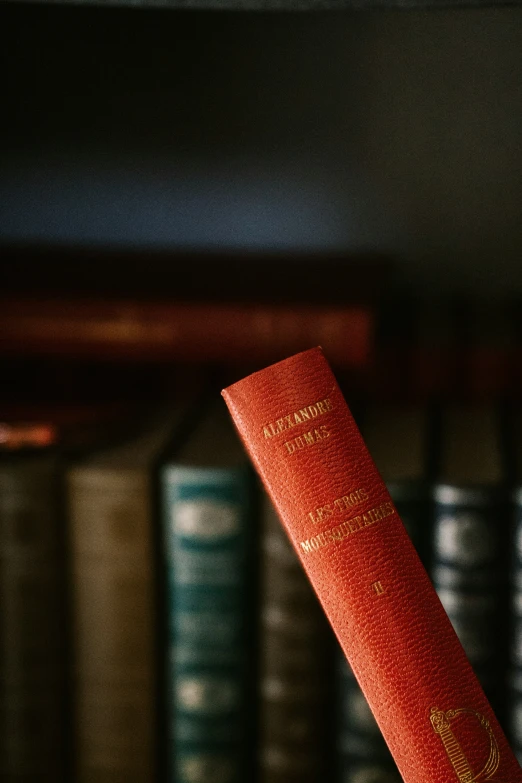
441	722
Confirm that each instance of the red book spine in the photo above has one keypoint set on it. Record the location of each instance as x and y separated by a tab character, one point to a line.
162	331
380	602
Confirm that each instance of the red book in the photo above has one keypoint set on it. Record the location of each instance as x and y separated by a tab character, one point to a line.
163	331
380	602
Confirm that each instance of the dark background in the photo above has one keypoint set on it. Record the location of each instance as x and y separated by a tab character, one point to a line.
388	131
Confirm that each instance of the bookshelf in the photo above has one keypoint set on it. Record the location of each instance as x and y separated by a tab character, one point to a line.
163	157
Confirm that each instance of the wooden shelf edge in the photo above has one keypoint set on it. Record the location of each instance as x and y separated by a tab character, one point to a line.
281	5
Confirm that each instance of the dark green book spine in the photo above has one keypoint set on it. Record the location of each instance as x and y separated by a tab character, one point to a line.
207	524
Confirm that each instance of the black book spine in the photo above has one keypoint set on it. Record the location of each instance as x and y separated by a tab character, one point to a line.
515	648
34	706
415	507
469	572
362	754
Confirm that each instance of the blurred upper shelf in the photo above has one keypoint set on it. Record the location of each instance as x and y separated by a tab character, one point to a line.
285	5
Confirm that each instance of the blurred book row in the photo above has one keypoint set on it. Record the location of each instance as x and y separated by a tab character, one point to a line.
388	347
155	624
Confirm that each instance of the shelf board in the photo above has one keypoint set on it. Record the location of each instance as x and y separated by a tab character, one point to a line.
234	275
283	5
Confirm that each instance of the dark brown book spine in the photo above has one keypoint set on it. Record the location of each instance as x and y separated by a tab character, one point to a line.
294	659
114	632
33	705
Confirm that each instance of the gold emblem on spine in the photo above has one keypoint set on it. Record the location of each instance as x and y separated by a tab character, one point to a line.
441	722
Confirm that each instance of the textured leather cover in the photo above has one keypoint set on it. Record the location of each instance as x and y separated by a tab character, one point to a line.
389	621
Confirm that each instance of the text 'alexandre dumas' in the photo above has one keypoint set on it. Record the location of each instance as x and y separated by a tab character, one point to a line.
311	436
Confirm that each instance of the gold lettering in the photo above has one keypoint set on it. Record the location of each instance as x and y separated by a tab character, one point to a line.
338	505
308	438
346	528
312	411
323	512
352	499
290	446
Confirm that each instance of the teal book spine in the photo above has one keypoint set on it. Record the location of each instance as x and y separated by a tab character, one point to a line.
207	522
